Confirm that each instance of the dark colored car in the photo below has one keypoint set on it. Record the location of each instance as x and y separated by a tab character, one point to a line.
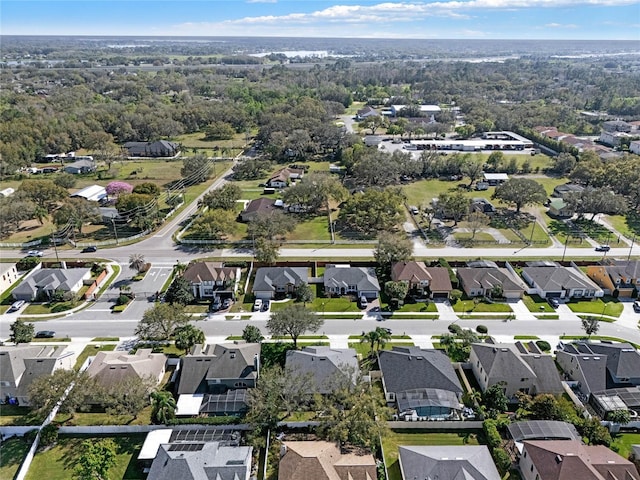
388	330
603	248
636	306
554	302
45	334
90	249
265	306
215	305
226	303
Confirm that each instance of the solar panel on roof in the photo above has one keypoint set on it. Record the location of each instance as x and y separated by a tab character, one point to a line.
186	447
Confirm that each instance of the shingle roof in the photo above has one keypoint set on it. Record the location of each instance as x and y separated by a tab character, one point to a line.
624	269
109	368
49	279
571	460
551	279
593	366
469	462
487	278
267	278
364	278
323	461
224	360
200	461
323	364
409	272
260	205
409	368
440	280
21	364
623	360
209	272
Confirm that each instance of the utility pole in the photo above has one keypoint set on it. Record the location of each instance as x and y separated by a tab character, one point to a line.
55	245
115	230
565	246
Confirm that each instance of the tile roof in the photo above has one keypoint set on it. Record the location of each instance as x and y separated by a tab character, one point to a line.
469	462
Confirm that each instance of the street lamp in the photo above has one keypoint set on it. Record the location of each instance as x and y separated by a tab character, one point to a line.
603	310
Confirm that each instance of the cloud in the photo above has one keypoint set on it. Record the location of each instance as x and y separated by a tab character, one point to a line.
561	25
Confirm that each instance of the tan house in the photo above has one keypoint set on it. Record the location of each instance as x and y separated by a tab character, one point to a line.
522	368
619	278
109	368
481	282
209	278
423	280
282	177
572	460
323	461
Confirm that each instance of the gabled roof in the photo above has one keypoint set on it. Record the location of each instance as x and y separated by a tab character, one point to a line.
364	278
200	461
323	461
81	163
260	205
469	462
571	460
110	368
50	279
551	279
410	272
267	278
623	360
512	360
623	269
15	365
593	366
323	364
409	368
223	361
208	272
440	280
487	278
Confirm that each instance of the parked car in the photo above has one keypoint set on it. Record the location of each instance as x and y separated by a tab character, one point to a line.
554	302
603	248
89	249
414	210
15	306
388	330
636	306
363	302
45	334
257	304
34	253
216	304
265	306
226	303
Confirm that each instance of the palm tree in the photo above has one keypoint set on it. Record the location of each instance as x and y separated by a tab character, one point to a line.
163	406
376	339
383	336
137	262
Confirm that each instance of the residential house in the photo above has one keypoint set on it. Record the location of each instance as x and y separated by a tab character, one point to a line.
9	274
209	279
328	368
44	282
80	166
22	364
284	176
323	461
552	280
572	460
93	193
425	110
482	205
373	140
561	190
634	147
486	281
620	278
582	366
160	148
495	178
111	368
209	374
423	280
559	208
421	382
522	368
195	459
616	126
614	139
272	281
623	362
258	207
344	280
366	112
468	462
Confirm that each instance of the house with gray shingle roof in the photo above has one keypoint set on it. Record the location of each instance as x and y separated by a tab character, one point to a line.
258	207
43	283
270	281
420	380
80	166
560	282
582	365
469	462
326	366
345	279
201	461
22	364
619	278
110	368
480	281
159	148
522	368
623	362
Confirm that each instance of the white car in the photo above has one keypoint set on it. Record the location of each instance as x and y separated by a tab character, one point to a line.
34	253
257	305
15	306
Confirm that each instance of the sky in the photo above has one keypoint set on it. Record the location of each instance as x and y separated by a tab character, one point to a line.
490	19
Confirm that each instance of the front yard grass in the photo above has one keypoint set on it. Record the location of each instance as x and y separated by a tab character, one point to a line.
610	307
396	438
537	304
58	463
91	350
13	453
469	306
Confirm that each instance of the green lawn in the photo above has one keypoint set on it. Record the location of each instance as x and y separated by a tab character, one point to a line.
58	462
13	452
364	348
611	308
628	225
537	304
15	415
311	228
622	443
319	304
91	350
418	307
469	306
84	419
397	438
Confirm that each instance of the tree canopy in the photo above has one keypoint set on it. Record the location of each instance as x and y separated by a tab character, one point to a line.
160	322
520	192
294	320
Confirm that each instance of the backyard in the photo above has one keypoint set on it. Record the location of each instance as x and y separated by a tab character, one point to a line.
13	452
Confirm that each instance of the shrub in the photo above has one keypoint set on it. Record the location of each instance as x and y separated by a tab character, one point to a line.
27	263
122	300
502	460
482	329
455	295
491	434
48	435
454	328
543	345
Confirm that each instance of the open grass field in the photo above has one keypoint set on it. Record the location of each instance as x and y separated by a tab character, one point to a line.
13	452
85	419
628	225
396	438
58	462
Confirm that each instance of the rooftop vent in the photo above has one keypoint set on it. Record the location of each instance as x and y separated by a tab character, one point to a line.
558	459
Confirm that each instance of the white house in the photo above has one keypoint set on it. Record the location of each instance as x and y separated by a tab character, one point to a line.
93	193
634	147
552	280
9	275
